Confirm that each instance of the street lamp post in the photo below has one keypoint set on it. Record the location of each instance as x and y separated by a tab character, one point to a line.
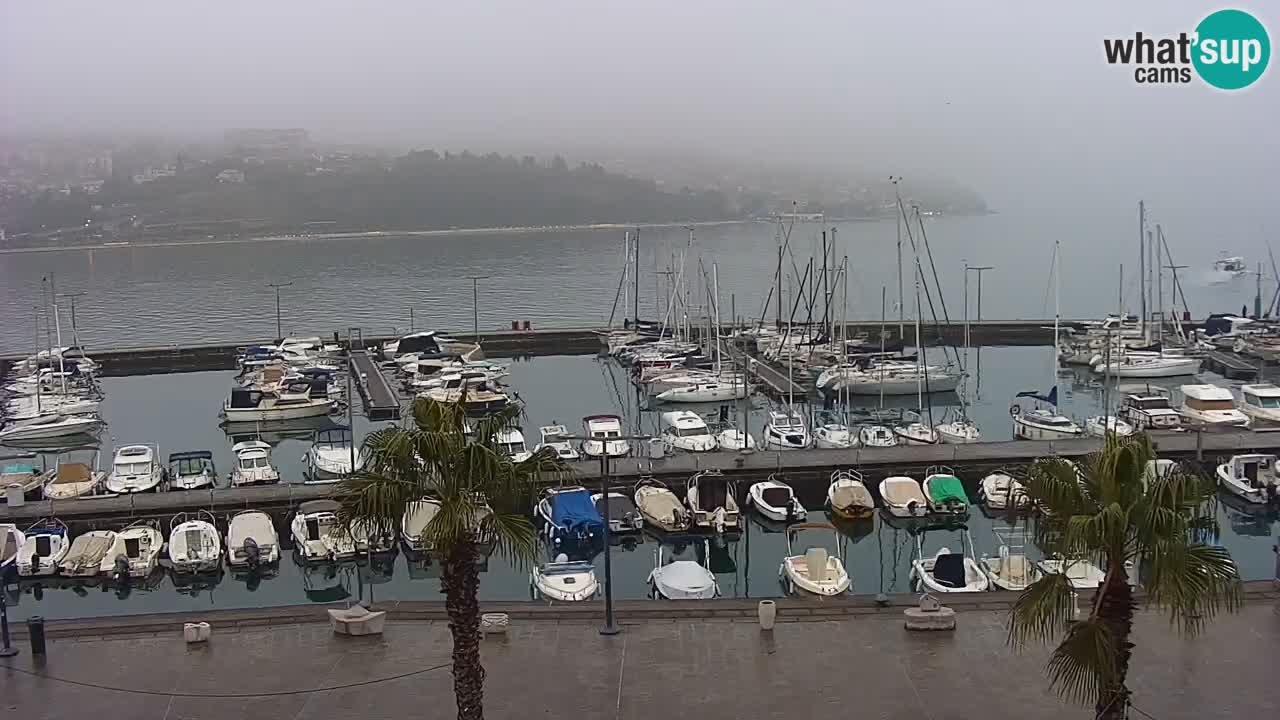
475	305
276	287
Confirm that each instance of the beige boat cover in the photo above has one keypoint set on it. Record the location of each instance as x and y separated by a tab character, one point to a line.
663	507
851	495
901	493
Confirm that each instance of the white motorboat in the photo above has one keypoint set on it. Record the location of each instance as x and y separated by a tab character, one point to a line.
1102	425
52	426
903	497
252	540
623	516
569	517
29	408
12	540
565	580
299	398
711	498
24	475
333	456
135	552
904	380
848	496
510	442
959	432
76	474
478	395
194	543
1010	570
683	579
135	469
877	436
660	507
734	439
686	430
1210	405
703	392
947	571
605	432
553	437
815	571
417	515
432	343
253	464
1002	491
914	432
1083	574
87	552
191	470
45	547
317	534
1261	402
786	430
834	436
1251	477
944	491
1148	366
1230	267
1148	408
1044	424
774	499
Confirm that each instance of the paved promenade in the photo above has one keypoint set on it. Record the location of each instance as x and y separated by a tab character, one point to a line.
849	664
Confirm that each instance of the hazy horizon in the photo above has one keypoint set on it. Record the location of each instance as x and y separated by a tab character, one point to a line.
1012	100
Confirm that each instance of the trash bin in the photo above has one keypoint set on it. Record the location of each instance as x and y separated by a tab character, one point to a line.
14	495
35	631
657	448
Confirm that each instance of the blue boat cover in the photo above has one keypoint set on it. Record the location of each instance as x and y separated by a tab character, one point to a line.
575	511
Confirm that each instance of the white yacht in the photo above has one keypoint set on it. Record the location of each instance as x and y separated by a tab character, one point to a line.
959	432
301	398
43	427
1210	405
511	442
786	430
194	543
1148	408
895	380
735	439
877	436
1230	267
1102	425
686	430
605	432
135	469
333	456
1251	477
318	535
253	464
135	552
1134	365
1261	402
1045	424
553	437
710	391
417	515
191	470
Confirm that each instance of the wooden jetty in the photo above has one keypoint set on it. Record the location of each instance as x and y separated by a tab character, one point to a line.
380	400
1230	365
774	381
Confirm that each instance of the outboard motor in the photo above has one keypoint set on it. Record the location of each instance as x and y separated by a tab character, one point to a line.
252	553
121	572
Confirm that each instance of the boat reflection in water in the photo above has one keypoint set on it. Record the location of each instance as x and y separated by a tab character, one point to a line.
273	432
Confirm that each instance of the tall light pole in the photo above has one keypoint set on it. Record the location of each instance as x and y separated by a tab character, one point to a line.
276	287
475	305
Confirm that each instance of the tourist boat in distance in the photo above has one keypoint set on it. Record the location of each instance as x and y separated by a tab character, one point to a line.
332	456
944	491
848	496
682	579
135	552
554	437
959	432
75	474
661	507
318	536
135	469
1102	425
53	426
712	501
1261	402
946	571
87	553
817	571
1000	490
253	464
1147	407
686	430
877	436
46	544
1210	405
191	470
786	430
1229	267
252	541
623	517
564	580
299	398
417	515
1251	477
194	543
604	433
903	497
776	500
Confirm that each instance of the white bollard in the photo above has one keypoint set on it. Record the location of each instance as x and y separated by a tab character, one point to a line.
14	495
767	611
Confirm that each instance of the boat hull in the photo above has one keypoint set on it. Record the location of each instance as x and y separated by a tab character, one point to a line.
252	415
1024	430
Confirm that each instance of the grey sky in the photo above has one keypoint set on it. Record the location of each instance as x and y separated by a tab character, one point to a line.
989	93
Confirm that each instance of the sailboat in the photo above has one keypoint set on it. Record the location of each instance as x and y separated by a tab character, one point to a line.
1046	423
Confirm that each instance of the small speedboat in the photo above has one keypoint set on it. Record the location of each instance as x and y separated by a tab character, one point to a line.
877	436
660	507
944	491
253	464
569	517
333	456
735	439
1002	491
1009	570
960	432
682	579
686	430
135	469
87	553
194	543
815	571
510	442
1101	425
318	536
786	430
191	470
135	552
45	547
947	571
712	501
1082	573
1251	477
775	499
848	496
623	516
76	474
252	540
834	436
903	497
553	437
565	580
49	426
417	515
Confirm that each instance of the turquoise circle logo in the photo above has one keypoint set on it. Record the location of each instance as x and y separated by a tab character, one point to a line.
1232	49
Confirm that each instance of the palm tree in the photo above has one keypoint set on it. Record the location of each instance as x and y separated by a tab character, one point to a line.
484	505
1113	512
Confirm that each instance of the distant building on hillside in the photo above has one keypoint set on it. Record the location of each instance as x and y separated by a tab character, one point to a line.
231	176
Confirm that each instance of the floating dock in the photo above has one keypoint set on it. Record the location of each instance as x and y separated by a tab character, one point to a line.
774	381
380	399
1231	365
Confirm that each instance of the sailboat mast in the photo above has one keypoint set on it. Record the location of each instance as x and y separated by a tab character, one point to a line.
883	294
1142	265
35	312
57	324
715	291
1159	285
1057	314
635	300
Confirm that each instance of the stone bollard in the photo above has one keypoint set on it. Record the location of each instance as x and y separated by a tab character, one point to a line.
930	615
196	632
494	624
767	612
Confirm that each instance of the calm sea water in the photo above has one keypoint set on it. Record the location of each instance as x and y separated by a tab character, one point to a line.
179	412
140	295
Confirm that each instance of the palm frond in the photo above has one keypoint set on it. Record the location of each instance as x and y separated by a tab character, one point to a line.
1053	484
1042	611
1194	582
1084	662
514	537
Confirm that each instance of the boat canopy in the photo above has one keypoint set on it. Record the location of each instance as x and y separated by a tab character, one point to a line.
946	488
574	509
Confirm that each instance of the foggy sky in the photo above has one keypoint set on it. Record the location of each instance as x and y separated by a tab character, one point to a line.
1011	98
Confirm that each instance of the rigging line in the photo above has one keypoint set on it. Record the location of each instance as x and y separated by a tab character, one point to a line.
226	696
942	298
915	251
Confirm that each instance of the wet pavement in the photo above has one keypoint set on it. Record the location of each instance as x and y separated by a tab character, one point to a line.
849	663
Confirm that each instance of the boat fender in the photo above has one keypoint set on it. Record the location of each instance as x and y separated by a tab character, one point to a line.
252	553
121	573
1015	410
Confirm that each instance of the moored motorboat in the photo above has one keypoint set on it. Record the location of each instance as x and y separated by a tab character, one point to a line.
711	498
555	438
848	496
903	497
605	433
291	399
252	540
317	534
735	440
135	469
1000	490
959	432
47	543
686	430
914	432
1251	477
24	475
1103	425
253	464
786	430
944	491
834	435
564	580
87	553
774	499
417	515
135	552
1083	574
1210	405
194	543
816	571
1010	570
673	579
569	518
76	474
1261	402
333	456
191	470
947	571
623	515
661	507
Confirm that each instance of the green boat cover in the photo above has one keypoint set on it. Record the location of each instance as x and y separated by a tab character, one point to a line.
944	489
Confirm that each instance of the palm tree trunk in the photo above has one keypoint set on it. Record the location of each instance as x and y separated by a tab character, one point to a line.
461	580
1115	608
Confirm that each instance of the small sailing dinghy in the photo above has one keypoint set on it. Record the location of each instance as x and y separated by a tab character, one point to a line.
253	464
135	553
848	496
252	541
565	580
712	501
947	571
194	543
775	499
815	571
1000	490
569	517
318	536
85	557
46	546
903	497
944	491
660	507
682	579
417	515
